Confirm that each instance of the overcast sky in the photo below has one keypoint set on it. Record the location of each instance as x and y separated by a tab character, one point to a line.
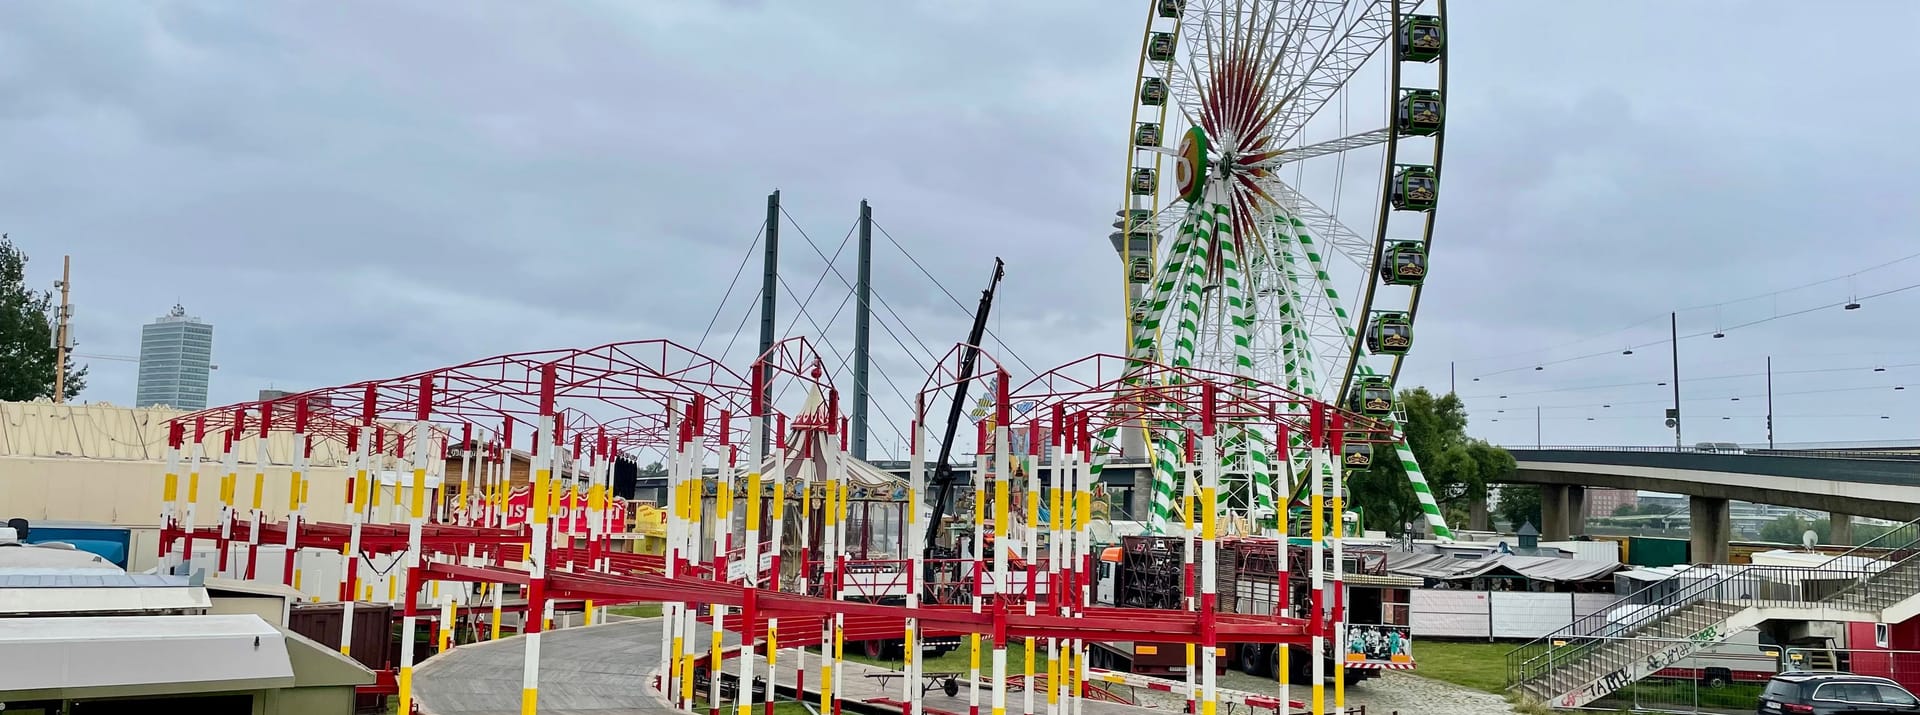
361	190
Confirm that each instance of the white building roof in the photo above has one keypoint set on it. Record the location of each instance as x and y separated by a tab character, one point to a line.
64	657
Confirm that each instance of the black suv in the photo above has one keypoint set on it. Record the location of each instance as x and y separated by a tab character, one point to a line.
1806	693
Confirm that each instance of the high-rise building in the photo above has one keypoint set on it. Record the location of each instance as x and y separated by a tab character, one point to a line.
176	356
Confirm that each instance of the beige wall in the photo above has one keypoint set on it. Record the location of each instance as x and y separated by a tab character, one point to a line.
128	493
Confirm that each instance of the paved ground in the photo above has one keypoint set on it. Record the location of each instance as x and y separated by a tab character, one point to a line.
608	670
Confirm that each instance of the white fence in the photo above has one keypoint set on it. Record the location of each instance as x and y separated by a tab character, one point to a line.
1441	613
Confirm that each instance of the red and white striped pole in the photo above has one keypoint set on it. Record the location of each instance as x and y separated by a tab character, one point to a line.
416	519
1317	625
1209	545
259	489
193	490
170	506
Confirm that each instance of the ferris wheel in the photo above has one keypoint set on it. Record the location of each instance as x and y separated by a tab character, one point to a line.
1283	167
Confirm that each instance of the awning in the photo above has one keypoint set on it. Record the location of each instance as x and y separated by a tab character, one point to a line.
1534	568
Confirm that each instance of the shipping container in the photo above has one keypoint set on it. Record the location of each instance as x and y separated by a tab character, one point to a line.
373	644
1656	551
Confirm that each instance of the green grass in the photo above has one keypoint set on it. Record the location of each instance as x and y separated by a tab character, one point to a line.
1481	666
637	610
1658	692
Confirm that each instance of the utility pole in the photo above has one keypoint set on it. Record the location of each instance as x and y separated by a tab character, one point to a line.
1451	388
863	287
769	283
1673	415
62	314
1536	427
1769	402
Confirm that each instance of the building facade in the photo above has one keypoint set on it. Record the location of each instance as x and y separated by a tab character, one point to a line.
1603	502
176	357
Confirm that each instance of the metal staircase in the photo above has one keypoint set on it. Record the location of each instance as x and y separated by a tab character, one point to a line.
1597	655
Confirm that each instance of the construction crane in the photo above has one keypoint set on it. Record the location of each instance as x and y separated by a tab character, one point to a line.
942	470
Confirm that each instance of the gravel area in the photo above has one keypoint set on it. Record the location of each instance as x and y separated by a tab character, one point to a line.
1395	692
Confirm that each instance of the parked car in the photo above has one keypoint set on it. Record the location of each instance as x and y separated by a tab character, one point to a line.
1804	693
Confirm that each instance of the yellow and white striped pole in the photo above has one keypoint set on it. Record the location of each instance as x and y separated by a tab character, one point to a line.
752	581
1002	581
1339	517
229	486
193	492
1209	549
1316	476
916	570
545	450
779	505
259	490
1031	549
361	439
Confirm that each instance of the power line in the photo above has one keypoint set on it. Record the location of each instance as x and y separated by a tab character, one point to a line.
1702	306
1691	380
1656	343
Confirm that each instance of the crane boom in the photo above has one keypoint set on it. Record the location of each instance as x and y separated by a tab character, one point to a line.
969	355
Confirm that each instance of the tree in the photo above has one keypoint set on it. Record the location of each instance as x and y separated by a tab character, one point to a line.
653	469
1626	510
1788	530
1519	504
27	351
1458	468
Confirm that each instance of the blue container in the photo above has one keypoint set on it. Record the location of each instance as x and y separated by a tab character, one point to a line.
104	540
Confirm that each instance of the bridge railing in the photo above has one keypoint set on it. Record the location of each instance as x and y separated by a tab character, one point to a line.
1750	585
1885	454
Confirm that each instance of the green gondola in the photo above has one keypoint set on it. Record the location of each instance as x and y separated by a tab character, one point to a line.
1420	112
1143	182
1421	38
1160	46
1141	272
1354	453
1146	134
1172	8
1389	333
1371	395
1415	188
1404	263
1153	91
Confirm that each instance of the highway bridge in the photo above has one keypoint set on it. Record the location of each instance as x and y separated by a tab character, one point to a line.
1879	483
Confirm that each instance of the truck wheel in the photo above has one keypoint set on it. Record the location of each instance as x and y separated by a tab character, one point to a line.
1716	678
1254	660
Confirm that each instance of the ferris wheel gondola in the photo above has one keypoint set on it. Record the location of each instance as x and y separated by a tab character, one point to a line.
1257	273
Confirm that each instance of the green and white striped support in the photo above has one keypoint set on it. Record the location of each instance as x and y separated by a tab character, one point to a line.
1171	275
1245	450
1421	490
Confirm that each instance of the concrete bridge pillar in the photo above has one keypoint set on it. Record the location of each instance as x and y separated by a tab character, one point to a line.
1712	529
1478	516
1576	510
1840	528
1554	512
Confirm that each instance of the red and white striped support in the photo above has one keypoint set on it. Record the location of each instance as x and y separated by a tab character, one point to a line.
350	568
228	485
259	491
1334	436
1317	623
170	507
416	520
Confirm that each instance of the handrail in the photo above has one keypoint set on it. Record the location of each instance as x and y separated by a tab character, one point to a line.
1882	455
1541	655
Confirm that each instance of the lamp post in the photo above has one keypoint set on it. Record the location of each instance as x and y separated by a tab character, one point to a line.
1673	415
